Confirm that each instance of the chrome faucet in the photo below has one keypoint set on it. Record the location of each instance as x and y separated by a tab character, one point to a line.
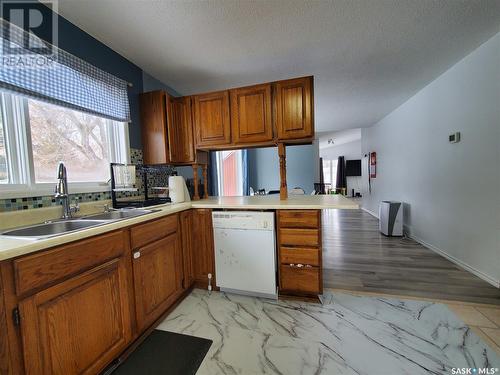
62	193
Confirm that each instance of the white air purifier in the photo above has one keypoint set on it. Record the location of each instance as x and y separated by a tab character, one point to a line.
390	218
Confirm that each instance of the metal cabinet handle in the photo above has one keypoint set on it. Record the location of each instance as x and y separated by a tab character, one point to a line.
137	254
300	265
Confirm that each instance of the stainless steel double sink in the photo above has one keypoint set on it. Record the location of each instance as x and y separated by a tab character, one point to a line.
60	227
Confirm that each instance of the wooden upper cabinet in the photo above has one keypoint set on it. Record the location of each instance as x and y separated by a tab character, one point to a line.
211	119
294	102
153	107
180	130
173	129
251	114
79	325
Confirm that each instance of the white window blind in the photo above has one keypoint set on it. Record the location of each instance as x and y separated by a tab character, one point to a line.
66	81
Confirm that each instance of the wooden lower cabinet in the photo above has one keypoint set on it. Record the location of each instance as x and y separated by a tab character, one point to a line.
203	247
301	280
79	325
81	305
186	220
5	361
157	278
299	252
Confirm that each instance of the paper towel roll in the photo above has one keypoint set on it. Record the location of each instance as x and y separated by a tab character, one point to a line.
176	189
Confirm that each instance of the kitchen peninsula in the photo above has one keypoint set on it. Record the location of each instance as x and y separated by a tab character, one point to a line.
141	267
15	247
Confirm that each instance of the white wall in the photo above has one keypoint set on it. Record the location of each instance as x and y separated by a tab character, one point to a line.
451	191
350	151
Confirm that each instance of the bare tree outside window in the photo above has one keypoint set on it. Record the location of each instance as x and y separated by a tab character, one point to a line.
78	139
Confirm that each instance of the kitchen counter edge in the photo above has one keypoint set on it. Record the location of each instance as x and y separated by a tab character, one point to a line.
16	247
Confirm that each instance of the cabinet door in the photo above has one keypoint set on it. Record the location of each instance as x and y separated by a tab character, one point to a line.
79	325
187	248
211	119
157	278
154	127
294	108
180	130
203	247
5	364
251	116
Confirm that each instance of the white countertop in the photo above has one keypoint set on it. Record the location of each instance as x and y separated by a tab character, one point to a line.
273	202
14	247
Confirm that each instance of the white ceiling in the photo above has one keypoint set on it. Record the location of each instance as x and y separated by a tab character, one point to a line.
367	56
339	137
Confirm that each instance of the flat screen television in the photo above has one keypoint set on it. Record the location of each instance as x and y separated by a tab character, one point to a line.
353	168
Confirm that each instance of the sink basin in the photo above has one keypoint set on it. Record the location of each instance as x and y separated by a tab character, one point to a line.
51	229
57	228
118	214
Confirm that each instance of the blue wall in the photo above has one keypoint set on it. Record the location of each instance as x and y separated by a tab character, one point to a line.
150	83
81	44
263	168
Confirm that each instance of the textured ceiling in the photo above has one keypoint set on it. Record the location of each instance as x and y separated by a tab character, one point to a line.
339	137
367	56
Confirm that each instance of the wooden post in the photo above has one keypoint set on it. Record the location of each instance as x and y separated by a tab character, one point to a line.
196	195
205	180
283	187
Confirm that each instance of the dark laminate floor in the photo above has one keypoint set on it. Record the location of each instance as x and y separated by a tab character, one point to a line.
357	257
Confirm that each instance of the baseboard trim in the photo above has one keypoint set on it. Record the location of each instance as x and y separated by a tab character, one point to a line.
451	258
370	212
458	262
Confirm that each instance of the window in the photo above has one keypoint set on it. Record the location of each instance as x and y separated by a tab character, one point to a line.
4	177
35	136
330	172
230	173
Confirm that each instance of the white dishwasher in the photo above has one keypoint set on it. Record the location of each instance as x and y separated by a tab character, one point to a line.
245	252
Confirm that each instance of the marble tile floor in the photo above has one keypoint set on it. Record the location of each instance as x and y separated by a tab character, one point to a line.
482	319
348	334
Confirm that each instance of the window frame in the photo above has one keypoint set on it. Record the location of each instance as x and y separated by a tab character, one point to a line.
18	146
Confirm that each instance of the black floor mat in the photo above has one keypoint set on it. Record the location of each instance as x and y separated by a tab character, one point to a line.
166	353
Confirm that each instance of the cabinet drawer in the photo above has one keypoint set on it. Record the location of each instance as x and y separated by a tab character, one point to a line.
148	232
299	237
304	280
299	219
299	255
47	268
